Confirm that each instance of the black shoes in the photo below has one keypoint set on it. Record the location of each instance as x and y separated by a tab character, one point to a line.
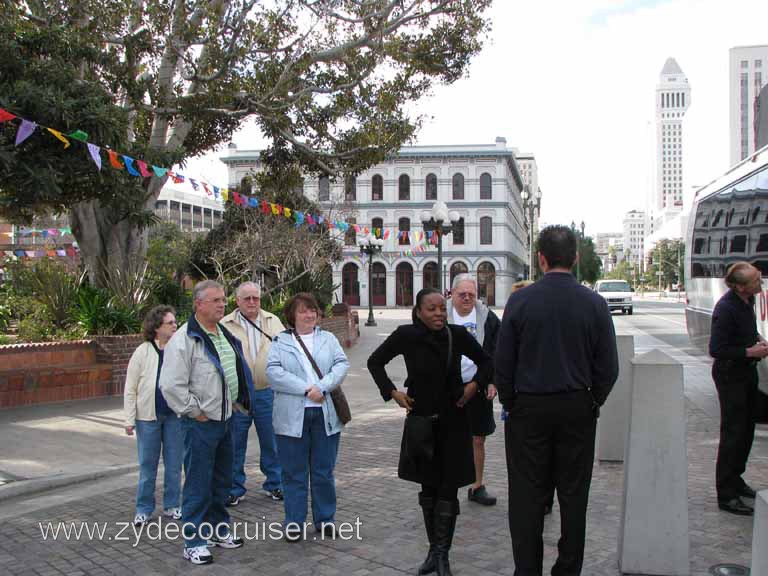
747	492
481	496
233	501
736	506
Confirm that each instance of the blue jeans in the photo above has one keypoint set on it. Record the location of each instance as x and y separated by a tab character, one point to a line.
261	416
152	437
208	477
305	460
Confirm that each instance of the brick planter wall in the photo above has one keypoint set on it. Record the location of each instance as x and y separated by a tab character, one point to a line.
344	324
52	372
119	350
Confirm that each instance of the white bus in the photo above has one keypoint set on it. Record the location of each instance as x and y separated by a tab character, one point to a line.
728	223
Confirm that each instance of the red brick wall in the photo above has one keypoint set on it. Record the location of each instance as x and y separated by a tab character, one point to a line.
52	372
118	349
344	324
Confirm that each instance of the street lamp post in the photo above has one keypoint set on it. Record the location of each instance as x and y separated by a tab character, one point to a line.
370	245
437	220
531	205
578	248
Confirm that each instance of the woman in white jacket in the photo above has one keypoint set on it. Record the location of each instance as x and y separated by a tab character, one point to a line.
157	427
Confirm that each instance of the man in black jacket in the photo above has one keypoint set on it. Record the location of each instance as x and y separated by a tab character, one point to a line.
556	362
736	347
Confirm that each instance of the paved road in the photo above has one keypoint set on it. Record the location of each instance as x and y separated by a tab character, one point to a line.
66	439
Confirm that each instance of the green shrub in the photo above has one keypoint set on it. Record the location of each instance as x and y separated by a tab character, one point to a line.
98	312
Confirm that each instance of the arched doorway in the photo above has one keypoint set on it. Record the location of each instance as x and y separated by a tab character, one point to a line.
456	269
350	287
486	283
379	284
430	275
404	284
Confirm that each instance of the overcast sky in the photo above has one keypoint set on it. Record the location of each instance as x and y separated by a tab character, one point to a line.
574	83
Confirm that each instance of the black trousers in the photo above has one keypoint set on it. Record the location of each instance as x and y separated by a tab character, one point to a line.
549	440
737	391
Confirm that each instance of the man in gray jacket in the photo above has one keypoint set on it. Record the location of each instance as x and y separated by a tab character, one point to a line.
203	379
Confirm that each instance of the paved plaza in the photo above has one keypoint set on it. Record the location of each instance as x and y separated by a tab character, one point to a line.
86	438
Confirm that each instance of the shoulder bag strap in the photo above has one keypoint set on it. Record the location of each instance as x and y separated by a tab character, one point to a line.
252	323
311	360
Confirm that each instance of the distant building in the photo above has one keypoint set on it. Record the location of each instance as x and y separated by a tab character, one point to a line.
192	211
481	182
747	74
634	233
609	247
673	97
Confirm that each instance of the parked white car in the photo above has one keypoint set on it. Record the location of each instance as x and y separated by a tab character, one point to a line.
617	294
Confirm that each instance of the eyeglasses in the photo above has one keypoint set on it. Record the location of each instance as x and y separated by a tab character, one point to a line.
172	323
465	295
250	298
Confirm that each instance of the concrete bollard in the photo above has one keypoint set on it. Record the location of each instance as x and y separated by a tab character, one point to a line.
613	424
760	535
653	537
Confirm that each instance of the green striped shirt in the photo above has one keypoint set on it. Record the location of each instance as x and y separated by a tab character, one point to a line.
228	361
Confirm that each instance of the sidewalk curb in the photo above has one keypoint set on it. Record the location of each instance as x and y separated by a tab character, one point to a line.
37	485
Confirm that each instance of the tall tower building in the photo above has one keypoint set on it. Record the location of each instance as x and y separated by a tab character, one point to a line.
673	97
747	74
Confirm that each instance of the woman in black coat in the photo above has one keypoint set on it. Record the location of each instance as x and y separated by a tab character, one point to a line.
437	396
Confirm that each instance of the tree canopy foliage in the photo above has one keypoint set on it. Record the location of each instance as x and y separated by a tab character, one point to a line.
327	81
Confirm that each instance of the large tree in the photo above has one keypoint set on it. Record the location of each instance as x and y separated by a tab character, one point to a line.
328	81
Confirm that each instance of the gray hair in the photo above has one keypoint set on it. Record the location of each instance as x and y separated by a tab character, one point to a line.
200	287
463	277
246	285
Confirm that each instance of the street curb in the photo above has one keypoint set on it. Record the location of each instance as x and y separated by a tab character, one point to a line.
37	485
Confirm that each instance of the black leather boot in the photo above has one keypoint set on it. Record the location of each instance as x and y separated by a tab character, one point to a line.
445	525
427	504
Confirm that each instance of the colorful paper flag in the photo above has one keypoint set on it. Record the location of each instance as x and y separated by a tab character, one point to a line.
95	155
25	131
60	136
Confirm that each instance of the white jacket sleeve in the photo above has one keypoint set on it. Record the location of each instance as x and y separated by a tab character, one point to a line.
339	367
130	391
174	377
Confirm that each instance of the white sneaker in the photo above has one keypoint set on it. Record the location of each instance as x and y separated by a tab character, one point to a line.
140	519
174	513
227	542
198	555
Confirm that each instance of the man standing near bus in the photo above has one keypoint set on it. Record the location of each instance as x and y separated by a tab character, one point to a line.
737	347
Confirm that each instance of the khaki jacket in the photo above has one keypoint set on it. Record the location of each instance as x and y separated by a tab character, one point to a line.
271	325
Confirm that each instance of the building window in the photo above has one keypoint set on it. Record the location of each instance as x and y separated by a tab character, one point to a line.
350	236
486	230
485	186
404	187
350	188
458	232
758	63
745	63
431	187
403	231
458	186
377	187
378	227
324	189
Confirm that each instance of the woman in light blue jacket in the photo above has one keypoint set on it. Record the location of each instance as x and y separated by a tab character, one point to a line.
306	426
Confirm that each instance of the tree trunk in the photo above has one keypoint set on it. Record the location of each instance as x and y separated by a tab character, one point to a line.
107	240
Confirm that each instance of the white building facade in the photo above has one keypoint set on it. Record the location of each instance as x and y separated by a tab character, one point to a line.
609	247
673	97
480	182
747	74
634	233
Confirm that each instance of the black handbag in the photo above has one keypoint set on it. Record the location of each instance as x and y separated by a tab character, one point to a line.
417	449
338	397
